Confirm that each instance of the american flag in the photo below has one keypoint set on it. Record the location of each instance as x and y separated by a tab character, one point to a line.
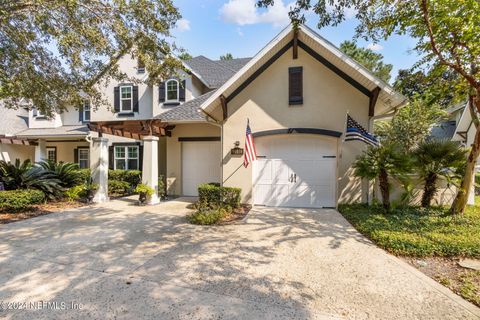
250	152
356	132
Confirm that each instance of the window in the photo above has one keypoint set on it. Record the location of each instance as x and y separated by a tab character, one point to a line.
83	158
140	66
37	113
295	85
52	154
171	90
126	158
86	111
126	100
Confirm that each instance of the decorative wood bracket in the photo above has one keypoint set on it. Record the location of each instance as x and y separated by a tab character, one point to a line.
373	101
295	44
223	101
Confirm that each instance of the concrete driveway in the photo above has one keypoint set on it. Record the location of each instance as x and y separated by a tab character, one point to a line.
122	261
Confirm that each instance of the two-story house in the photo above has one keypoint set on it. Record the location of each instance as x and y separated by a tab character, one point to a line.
295	92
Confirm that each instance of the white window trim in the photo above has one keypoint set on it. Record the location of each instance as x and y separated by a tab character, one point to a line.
88	159
178	91
131	100
85	103
39	114
126	158
47	149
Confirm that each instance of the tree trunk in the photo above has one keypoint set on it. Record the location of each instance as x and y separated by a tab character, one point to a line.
429	190
460	202
384	188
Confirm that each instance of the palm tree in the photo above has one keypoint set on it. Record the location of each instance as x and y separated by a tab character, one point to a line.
381	163
434	159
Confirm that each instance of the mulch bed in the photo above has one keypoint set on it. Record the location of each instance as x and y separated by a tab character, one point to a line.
237	215
39	210
463	281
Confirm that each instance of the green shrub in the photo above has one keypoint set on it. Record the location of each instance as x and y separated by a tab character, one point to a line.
207	217
211	195
143	188
162	191
118	188
76	192
17	200
133	177
84	175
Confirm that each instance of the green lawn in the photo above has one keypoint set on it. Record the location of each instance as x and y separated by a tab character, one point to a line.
418	232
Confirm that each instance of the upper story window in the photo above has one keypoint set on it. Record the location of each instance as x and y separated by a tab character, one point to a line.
140	66
171	90
38	114
126	99
86	110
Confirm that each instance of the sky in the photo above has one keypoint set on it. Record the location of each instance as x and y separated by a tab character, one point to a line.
215	27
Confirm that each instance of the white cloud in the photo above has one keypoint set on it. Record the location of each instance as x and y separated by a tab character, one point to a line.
374	46
244	12
183	25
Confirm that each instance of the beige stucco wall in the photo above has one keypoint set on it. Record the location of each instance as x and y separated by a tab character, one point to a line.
10	152
174	151
65	151
327	99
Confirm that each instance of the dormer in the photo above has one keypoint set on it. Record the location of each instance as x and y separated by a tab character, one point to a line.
36	119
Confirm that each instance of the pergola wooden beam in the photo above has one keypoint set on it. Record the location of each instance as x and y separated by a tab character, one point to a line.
134	129
18	141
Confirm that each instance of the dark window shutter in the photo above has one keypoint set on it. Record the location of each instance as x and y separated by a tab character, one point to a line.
295	85
161	92
34	112
140	157
80	113
135	98
111	157
181	92
116	99
75	155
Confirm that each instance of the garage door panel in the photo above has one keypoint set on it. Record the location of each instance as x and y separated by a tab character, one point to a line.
306	157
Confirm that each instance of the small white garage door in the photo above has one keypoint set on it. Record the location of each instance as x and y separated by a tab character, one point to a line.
200	164
295	171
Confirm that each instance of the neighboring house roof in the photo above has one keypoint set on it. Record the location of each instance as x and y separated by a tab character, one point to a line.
330	55
13	121
63	131
215	73
189	111
444	130
463	125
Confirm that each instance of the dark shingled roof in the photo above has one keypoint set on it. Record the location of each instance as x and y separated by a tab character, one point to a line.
189	111
215	73
444	130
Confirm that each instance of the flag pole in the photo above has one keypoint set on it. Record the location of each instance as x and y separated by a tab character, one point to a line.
345	127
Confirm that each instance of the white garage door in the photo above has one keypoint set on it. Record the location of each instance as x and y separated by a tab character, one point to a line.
295	171
200	164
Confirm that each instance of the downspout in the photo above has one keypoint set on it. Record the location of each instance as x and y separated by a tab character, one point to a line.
210	119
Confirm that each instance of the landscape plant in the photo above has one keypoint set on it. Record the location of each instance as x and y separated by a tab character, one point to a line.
438	158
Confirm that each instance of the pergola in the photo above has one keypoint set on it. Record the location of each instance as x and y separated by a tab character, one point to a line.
134	129
15	140
147	130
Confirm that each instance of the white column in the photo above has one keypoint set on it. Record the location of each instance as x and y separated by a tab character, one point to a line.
471	194
150	166
41	150
99	168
